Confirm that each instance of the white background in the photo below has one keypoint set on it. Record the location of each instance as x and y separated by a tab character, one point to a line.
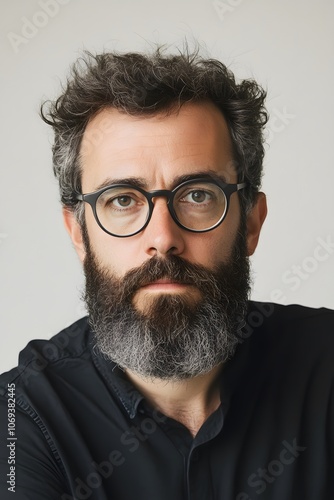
287	46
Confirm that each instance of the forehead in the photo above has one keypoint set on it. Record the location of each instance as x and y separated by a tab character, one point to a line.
156	148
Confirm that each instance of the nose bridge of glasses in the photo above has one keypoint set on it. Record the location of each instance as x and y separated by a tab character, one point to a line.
157	193
161	193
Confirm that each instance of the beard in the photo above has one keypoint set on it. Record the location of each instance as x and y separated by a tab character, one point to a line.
174	337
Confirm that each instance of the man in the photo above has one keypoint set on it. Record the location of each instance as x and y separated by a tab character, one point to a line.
176	386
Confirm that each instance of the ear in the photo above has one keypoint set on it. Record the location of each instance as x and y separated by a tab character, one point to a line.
74	230
255	219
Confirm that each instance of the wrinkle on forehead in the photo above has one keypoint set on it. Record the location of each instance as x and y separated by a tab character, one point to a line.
197	137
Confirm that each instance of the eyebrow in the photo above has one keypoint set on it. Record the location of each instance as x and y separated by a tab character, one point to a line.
133	181
141	182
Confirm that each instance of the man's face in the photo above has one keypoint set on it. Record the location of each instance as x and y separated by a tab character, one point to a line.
159	150
130	287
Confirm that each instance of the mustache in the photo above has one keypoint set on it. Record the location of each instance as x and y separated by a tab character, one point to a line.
173	268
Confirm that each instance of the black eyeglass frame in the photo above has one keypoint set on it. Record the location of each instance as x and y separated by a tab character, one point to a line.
227	189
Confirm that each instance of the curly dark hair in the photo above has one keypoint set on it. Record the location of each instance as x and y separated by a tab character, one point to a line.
148	84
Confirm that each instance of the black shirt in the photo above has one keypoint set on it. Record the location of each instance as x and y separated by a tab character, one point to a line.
84	432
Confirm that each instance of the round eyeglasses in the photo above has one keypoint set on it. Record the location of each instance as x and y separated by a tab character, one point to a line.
198	205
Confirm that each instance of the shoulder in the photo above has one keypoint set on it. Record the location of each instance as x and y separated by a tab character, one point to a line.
290	317
301	336
40	357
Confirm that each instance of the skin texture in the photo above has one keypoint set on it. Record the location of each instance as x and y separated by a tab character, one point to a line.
159	149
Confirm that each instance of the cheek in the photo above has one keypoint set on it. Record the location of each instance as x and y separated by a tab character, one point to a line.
216	246
118	255
106	247
114	254
215	249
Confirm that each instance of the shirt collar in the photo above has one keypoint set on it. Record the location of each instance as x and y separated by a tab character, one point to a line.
127	394
130	397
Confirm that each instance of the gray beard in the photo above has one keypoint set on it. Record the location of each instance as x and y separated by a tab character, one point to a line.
175	339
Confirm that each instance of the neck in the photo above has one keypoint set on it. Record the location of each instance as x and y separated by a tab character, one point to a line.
189	401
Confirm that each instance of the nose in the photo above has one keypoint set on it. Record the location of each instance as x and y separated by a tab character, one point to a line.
162	236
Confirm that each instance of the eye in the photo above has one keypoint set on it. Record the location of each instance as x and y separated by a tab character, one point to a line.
122	201
197	196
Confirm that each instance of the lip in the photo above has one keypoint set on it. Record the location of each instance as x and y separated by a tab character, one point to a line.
164	284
